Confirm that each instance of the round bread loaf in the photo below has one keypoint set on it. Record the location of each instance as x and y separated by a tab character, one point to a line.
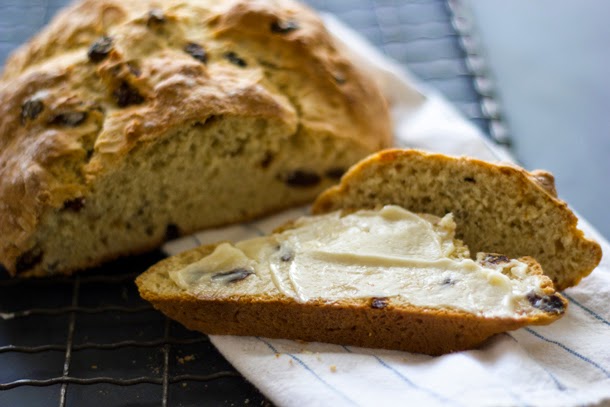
125	122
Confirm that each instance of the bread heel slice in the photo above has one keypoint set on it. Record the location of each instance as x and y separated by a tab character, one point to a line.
305	283
497	207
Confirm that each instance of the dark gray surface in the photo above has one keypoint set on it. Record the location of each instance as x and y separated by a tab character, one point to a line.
190	354
418	33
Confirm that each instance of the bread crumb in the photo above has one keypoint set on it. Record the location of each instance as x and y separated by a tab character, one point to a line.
184	385
247	401
187	358
94	367
277	355
333	369
290	362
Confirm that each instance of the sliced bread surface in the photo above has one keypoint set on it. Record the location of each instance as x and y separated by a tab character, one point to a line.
210	294
498	208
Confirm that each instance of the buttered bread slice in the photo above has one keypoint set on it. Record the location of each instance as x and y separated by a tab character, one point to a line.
497	207
384	278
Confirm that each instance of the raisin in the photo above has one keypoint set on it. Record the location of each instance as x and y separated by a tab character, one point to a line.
30	110
339	78
100	49
52	268
172	231
470	179
232	276
379	303
302	178
267	160
495	259
283	27
196	51
233	58
335	172
28	259
74	205
287	254
552	303
69	119
125	95
134	69
155	18
89	152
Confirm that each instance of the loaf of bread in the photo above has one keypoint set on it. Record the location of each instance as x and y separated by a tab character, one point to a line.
497	207
384	278
126	122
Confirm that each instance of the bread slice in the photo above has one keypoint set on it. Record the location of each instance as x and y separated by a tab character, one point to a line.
436	311
497	207
126	122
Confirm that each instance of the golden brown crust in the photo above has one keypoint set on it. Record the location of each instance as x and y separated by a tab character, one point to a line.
349	322
497	207
67	118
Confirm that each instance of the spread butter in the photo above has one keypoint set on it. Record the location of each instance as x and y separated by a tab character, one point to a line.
385	253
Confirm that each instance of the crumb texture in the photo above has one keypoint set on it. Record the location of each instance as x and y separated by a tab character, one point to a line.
497	207
126	122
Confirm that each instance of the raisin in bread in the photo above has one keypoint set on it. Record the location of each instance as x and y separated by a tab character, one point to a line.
497	207
126	121
383	278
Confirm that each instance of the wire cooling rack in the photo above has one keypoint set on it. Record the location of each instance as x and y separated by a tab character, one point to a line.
90	339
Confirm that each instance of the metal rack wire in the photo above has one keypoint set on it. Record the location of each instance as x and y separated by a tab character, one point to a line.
90	340
481	77
106	280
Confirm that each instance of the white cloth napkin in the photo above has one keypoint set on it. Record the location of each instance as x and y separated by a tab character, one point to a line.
564	364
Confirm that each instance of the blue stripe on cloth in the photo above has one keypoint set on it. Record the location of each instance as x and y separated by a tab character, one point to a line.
560	386
407	380
310	370
589	310
571	351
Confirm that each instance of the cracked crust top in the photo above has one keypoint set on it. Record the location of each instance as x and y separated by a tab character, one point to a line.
106	76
